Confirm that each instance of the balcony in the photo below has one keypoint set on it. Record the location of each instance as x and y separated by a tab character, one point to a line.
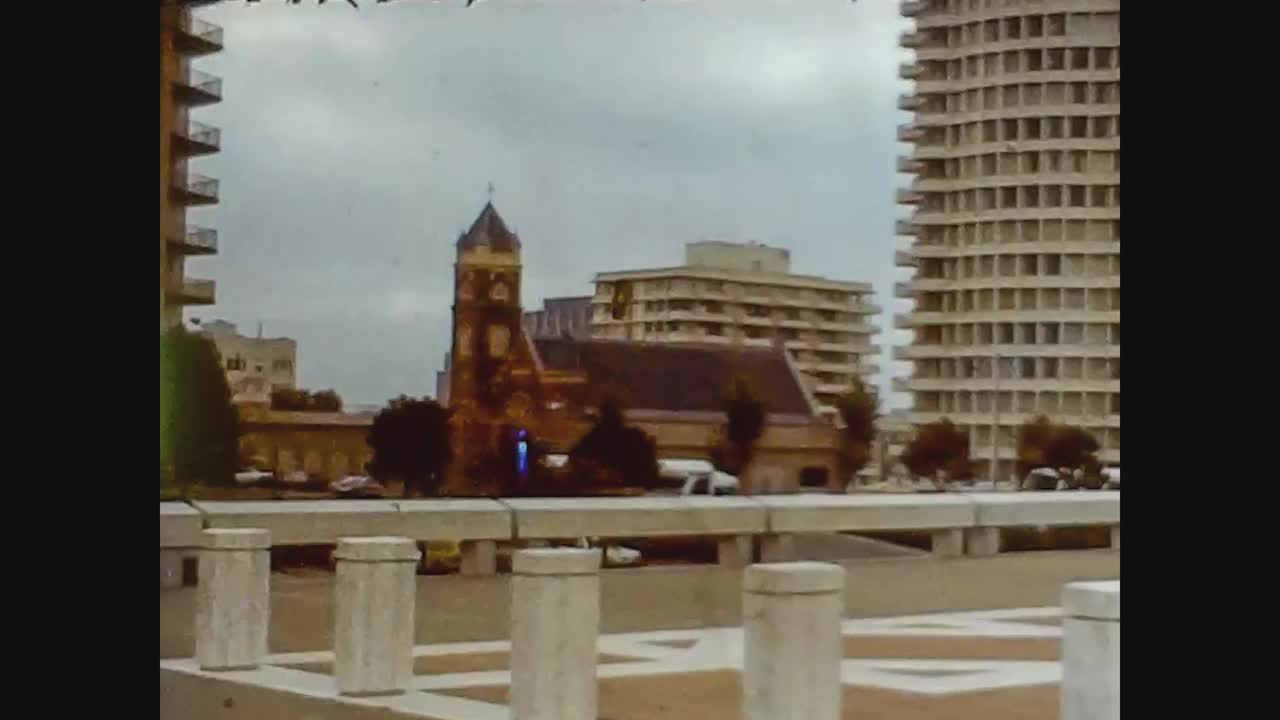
906	227
910	102
194	88
912	8
910	71
192	292
903	258
912	39
192	189
194	241
910	165
910	133
196	139
907	196
194	37
903	291
903	321
901	384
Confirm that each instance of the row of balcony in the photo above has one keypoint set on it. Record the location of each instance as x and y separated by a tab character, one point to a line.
194	240
196	139
194	37
190	189
194	88
191	292
918	384
920	318
980	352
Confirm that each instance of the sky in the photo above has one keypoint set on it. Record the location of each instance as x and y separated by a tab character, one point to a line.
357	145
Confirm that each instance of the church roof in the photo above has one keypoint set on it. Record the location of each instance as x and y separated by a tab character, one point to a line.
679	377
489	229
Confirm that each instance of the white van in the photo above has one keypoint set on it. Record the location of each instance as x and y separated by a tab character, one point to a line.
717	483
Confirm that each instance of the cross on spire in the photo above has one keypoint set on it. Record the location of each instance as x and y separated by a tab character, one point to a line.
491	192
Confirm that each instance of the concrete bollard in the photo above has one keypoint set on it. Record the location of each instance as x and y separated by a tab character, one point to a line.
1091	651
982	541
734	551
792	641
374	595
1115	537
479	557
170	569
233	602
555	620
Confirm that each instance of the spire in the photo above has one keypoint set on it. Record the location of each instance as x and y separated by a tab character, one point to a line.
489	229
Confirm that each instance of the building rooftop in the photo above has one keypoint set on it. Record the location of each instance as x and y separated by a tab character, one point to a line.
489	230
681	378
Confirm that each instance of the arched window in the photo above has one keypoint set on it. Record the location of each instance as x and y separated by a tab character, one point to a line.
499	340
499	292
464	341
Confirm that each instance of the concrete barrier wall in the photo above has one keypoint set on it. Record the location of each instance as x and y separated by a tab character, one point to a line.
961	523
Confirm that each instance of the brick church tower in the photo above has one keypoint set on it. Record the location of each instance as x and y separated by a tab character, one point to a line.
492	384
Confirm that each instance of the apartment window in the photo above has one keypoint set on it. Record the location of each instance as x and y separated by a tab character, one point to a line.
1033	129
1049	368
1034	60
1057	25
1079	93
1035	26
1076	196
1013	28
236	362
1055	59
1079	127
282	365
1098	196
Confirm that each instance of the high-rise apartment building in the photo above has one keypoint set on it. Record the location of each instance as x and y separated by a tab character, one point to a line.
745	294
254	365
559	317
1016	229
182	89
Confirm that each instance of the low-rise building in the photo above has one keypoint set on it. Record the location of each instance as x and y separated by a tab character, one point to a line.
559	317
254	365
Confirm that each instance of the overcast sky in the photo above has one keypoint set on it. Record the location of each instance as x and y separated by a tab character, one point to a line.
356	145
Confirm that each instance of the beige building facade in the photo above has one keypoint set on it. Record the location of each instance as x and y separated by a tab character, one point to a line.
254	365
183	89
745	295
1015	235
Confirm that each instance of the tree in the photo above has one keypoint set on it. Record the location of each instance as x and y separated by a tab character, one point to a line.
745	424
612	453
411	444
859	408
1042	443
199	427
299	400
938	450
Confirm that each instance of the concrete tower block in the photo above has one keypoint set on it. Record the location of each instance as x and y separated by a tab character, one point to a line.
1091	651
792	641
373	615
233	602
555	620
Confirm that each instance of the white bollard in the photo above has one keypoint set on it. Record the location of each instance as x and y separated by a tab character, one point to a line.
233	602
555	620
792	641
373	615
1091	651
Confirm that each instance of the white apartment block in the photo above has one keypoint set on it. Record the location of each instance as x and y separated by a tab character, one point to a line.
1015	236
744	294
254	365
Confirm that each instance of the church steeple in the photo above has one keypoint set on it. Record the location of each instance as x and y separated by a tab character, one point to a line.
491	231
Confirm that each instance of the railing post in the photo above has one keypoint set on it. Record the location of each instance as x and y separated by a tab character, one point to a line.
373	615
233	603
555	620
479	557
792	641
1091	651
734	551
982	541
948	542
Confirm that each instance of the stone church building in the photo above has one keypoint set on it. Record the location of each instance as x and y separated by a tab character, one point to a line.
498	379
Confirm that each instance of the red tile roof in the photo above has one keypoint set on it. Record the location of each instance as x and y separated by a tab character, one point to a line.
681	378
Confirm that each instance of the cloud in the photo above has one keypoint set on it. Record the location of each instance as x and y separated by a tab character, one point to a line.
356	145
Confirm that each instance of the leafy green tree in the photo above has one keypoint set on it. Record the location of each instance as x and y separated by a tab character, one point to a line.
299	400
199	427
939	451
859	409
411	444
1042	443
613	453
745	422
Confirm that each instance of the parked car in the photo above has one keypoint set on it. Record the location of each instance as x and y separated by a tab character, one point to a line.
254	477
713	483
356	486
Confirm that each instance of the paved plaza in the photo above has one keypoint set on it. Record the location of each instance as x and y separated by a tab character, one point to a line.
993	663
